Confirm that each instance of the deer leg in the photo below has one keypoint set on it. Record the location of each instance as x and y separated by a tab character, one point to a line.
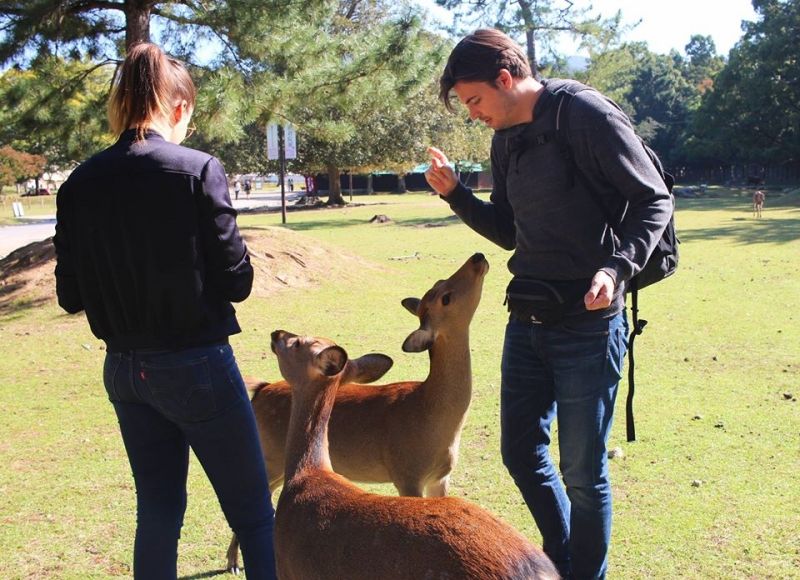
409	488
275	483
438	488
233	555
233	549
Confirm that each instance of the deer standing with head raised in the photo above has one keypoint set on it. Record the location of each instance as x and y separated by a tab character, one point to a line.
406	433
328	528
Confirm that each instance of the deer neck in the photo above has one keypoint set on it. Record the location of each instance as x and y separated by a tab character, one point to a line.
450	379
307	437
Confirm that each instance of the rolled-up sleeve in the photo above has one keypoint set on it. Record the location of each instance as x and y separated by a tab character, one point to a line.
228	269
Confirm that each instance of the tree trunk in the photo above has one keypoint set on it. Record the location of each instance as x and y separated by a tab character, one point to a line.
370	190
334	186
530	38
350	183
137	21
530	35
401	183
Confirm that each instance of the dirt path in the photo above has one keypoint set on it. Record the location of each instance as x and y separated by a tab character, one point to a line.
13	237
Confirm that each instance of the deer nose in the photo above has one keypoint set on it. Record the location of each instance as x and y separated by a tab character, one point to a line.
276	336
476	258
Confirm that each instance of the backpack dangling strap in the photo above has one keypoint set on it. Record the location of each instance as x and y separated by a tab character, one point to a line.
636	330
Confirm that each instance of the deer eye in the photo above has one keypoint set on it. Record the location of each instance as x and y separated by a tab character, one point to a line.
446	299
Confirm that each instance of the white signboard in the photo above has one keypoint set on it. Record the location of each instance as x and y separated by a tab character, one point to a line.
290	141
272	141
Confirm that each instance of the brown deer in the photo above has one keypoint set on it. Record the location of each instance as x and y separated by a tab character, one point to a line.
326	527
406	433
758	202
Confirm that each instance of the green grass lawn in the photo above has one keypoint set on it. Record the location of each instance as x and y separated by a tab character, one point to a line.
40	205
709	490
45	205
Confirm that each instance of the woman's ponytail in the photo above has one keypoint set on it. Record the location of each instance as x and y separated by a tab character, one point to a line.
147	85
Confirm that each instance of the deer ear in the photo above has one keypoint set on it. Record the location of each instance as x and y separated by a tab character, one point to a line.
419	340
331	360
411	304
369	368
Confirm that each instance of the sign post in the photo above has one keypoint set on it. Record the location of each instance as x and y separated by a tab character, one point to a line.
281	145
290	141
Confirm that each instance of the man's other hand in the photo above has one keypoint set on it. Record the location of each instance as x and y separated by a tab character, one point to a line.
600	293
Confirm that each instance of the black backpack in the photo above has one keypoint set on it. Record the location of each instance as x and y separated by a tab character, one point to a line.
661	264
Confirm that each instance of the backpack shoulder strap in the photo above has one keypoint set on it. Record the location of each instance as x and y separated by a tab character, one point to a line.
518	144
524	141
565	96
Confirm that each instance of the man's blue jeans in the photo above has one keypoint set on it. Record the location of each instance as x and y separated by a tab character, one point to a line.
570	373
167	402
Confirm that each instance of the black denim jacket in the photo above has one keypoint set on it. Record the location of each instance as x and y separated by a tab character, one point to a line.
147	244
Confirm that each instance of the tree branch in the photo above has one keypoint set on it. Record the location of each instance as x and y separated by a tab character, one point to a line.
347	80
173	17
87	5
70	83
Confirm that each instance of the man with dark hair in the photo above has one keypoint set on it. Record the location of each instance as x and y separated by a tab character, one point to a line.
565	340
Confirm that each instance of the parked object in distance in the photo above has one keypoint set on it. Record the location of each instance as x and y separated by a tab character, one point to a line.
34	192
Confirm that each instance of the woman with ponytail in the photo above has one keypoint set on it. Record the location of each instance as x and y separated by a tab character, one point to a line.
147	245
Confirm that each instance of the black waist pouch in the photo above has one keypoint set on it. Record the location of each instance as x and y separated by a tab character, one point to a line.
545	301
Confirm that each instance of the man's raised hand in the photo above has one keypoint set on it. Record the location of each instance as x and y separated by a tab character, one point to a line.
437	156
441	177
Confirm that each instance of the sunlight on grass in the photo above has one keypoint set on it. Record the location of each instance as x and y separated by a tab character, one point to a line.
709	490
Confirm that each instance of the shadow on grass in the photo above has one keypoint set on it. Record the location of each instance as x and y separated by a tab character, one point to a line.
430	223
292	223
209	574
747	231
710	203
11	310
303	226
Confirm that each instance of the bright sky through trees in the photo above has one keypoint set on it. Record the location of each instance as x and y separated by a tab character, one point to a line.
665	25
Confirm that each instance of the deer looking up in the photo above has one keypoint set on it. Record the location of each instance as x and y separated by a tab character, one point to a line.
406	433
326	527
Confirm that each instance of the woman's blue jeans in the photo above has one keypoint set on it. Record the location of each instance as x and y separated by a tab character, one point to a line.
568	372
167	402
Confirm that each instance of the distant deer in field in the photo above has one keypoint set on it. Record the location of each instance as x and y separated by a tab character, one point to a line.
326	527
758	202
406	433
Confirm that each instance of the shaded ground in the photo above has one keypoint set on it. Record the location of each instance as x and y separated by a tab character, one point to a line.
282	259
26	276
